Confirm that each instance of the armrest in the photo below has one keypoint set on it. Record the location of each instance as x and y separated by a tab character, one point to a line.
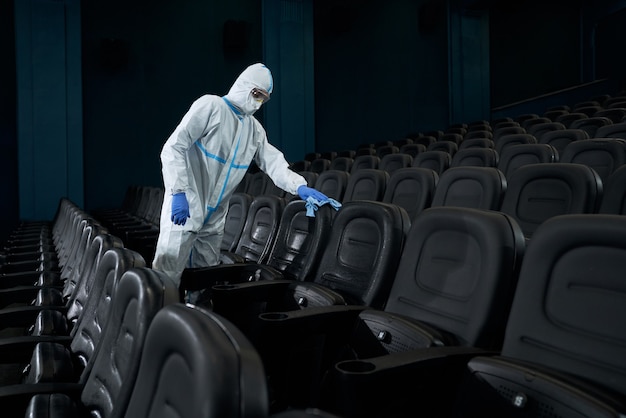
24	316
15	398
427	377
41	296
326	319
18	294
206	277
8	281
20	349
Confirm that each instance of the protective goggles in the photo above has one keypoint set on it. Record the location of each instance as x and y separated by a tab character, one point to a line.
259	94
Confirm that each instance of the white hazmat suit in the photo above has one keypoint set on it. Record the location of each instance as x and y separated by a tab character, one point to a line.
206	157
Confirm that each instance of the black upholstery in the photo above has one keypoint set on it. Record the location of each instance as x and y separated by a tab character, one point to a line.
570	118
294	255
506	141
615	130
454	286
539	129
259	230
333	183
92	319
365	161
367	184
62	317
197	364
518	155
342	163
591	125
478	133
392	162
477	142
604	155
565	328
141	293
438	161
238	207
412	149
561	138
356	266
614	194
320	165
471	187
257	184
476	157
537	192
616	114
425	140
529	122
411	188
500	132
384	150
445	146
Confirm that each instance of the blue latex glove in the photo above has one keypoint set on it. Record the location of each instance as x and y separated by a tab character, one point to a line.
180	209
305	192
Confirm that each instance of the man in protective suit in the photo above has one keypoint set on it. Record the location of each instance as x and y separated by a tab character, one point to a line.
203	162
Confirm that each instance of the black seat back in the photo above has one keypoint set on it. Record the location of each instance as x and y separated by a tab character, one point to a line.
238	207
139	295
476	157
591	124
439	161
197	364
561	138
565	329
518	155
333	183
604	155
513	139
77	298
471	187
260	228
257	184
363	251
537	192
392	162
365	161
411	188
342	163
458	274
615	130
300	240
614	193
565	314
367	184
94	319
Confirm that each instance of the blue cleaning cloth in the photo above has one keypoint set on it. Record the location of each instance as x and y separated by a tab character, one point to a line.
312	204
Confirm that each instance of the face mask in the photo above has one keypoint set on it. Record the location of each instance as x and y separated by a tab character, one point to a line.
252	105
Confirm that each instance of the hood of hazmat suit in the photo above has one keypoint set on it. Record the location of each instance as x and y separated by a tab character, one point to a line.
255	76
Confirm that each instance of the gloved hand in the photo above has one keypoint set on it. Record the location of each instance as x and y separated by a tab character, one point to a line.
180	209
305	192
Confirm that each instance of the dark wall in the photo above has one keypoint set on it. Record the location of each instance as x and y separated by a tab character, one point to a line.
144	63
535	48
380	70
8	124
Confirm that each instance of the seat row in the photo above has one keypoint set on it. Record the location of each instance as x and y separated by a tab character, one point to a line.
566	146
438	316
96	337
533	193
